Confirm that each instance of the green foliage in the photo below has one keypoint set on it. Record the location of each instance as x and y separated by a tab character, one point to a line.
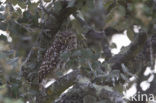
81	57
26	22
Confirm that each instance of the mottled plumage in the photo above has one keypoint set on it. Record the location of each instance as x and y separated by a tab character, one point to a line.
64	41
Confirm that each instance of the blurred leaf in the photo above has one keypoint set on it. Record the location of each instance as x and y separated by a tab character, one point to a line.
125	70
113	45
124	24
13	61
2	8
108	3
19	11
76	53
58	6
115	17
2	16
124	49
3	37
124	77
96	64
16	28
130	34
32	7
89	4
121	10
108	88
65	55
71	3
76	24
14	2
72	63
22	4
3	26
86	53
119	88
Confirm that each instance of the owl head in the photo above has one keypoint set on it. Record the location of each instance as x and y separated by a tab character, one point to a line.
69	39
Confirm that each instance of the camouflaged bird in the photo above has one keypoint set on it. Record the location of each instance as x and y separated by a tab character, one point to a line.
64	41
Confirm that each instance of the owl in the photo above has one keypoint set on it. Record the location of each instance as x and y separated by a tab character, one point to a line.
64	41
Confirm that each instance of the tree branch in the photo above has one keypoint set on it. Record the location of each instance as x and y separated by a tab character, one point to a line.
90	93
134	49
93	35
59	86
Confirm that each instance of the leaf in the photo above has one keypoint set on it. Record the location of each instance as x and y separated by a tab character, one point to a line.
72	63
115	17
3	37
125	70
19	11
13	61
71	3
22	4
121	10
3	26
86	53
124	77
89	5
57	7
2	8
124	49
75	24
113	45
107	3
32	7
16	28
96	64
14	2
123	24
130	34
76	53
2	16
95	56
65	55
108	88
119	88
